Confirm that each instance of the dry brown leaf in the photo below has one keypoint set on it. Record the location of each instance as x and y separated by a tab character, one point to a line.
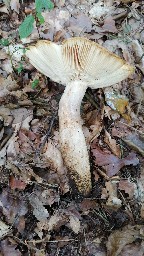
119	238
110	192
9	249
133	250
15	5
12	207
16	183
80	23
74	224
98	10
128	187
109	25
95	122
140	192
4	229
57	220
112	144
7	85
39	211
88	204
117	102
111	163
135	141
52	156
127	1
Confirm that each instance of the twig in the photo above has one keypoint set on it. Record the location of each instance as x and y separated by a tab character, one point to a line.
50	241
91	100
120	15
47	135
136	130
21	242
129	211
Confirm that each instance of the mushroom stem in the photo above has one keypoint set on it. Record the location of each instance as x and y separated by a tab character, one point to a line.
72	140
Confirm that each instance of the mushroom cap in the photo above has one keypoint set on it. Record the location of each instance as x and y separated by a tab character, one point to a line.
78	59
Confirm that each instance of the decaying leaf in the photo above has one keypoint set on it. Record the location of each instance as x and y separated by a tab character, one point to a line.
52	156
88	204
7	85
12	208
16	183
56	221
80	23
133	249
135	141
140	194
128	187
9	249
119	238
4	229
110	193
112	144
39	211
110	163
95	122
117	102
98	10
74	224
109	25
15	5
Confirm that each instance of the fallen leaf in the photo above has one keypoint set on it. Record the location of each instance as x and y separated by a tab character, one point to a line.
39	211
94	120
57	220
15	183
74	224
119	238
135	141
112	144
4	229
52	155
128	187
127	1
7	85
109	25
110	193
21	224
9	249
98	11
88	204
12	207
133	249
116	102
112	164
140	192
80	23
15	5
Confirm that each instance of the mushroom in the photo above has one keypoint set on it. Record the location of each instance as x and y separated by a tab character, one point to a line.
78	64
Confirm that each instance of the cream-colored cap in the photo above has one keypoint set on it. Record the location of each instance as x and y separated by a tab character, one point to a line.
78	59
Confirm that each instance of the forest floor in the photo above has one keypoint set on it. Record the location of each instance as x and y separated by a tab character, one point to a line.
41	213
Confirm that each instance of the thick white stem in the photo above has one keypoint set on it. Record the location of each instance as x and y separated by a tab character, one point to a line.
72	140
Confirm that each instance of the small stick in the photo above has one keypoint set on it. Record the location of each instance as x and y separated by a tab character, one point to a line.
91	100
47	135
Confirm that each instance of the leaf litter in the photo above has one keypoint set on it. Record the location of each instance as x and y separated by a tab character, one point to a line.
40	213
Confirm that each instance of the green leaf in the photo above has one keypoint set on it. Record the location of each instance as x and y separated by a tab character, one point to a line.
4	42
26	28
43	5
20	68
35	83
40	17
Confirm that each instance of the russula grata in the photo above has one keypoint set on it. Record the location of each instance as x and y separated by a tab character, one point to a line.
78	64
